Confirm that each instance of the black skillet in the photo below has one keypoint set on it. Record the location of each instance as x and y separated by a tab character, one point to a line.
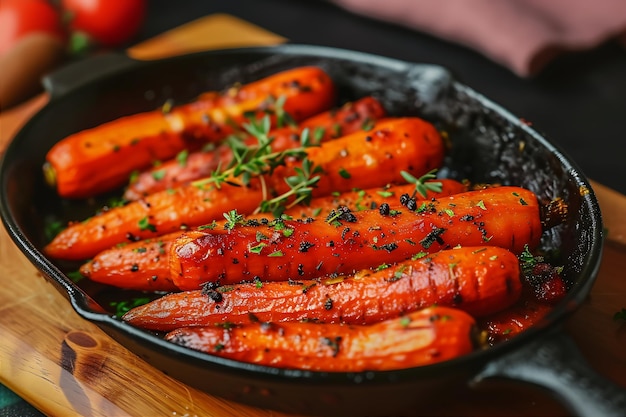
488	145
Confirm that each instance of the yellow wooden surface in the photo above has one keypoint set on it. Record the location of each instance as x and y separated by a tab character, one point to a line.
66	366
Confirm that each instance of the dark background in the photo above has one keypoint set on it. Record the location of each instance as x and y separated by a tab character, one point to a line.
579	101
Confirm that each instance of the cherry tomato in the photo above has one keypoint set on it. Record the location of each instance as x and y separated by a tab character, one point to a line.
108	23
19	18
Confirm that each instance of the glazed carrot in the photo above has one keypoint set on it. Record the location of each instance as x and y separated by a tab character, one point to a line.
507	217
506	324
144	265
349	118
364	159
101	158
542	287
478	280
156	215
420	338
368	159
372	198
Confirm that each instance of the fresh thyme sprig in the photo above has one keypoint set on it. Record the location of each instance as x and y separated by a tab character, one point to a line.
422	184
251	160
300	186
257	160
282	117
233	218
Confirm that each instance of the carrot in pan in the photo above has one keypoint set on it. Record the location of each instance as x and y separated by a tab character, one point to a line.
144	265
372	198
364	159
478	280
102	158
507	217
190	166
506	324
542	287
420	338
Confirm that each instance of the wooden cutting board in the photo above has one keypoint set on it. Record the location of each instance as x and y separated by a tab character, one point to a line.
38	326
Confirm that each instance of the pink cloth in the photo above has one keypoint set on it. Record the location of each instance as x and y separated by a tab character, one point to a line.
523	35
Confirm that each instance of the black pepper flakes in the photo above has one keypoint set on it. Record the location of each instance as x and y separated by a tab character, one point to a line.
389	247
332	343
210	285
432	237
305	246
132	238
214	295
457	299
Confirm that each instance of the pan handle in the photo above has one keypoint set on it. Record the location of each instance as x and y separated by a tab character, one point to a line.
554	362
79	73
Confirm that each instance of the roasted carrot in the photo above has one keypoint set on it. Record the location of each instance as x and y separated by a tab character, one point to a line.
99	159
420	338
190	166
507	217
506	324
144	265
364	159
158	214
372	198
478	280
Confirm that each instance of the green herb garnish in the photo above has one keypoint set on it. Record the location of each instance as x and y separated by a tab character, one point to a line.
423	183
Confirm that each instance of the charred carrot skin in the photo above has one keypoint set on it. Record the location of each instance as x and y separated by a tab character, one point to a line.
101	158
349	118
507	217
478	280
364	159
420	338
144	265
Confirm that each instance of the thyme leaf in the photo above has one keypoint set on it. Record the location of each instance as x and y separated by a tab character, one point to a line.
423	183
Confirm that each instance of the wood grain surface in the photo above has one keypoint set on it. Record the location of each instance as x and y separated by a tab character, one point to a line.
65	366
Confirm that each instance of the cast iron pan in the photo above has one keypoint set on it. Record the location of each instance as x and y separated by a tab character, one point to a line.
488	145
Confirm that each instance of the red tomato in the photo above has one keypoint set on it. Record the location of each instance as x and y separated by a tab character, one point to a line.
22	17
109	23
